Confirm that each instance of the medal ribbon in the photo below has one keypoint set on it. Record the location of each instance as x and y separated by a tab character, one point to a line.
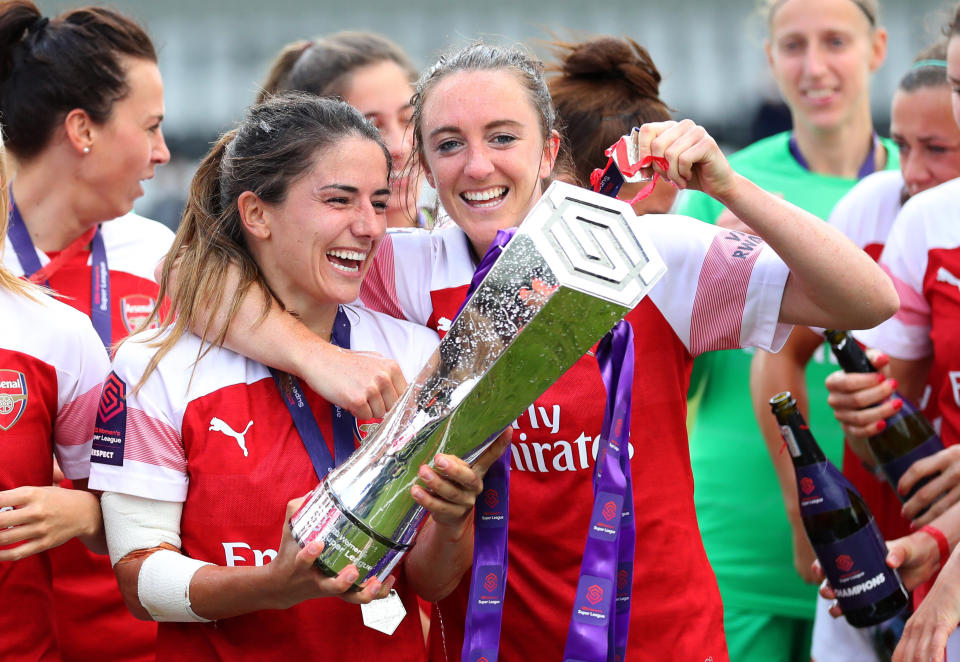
601	609
26	254
608	560
867	168
488	576
304	420
611	178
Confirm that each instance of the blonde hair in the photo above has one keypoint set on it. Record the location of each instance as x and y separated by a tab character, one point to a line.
8	281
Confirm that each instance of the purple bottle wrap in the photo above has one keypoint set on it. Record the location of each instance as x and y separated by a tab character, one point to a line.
894	469
856	568
822	488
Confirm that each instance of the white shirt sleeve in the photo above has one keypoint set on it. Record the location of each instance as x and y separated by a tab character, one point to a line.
905	258
722	289
81	369
146	427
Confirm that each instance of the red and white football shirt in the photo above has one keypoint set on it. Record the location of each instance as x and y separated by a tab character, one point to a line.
92	621
219	438
866	214
722	290
51	366
922	256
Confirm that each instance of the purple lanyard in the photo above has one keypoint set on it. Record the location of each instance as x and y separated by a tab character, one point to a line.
304	420
868	168
601	608
99	272
608	557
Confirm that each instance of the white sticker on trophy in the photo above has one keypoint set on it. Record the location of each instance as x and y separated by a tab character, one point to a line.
384	615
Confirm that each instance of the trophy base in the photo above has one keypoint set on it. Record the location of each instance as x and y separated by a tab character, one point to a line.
346	539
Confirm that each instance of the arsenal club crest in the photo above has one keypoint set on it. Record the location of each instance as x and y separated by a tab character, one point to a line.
363	429
13	397
135	309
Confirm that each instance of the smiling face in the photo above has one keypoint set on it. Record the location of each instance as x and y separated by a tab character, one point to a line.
484	151
382	92
821	53
924	129
128	147
315	247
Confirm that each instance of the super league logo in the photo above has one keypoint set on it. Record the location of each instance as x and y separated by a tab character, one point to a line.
490	498
13	397
490	581
594	594
113	398
623	580
844	563
806	485
609	510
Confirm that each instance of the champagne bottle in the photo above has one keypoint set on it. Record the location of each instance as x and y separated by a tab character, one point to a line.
908	435
840	527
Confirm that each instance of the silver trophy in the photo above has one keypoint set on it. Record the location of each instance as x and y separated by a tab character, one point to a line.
578	263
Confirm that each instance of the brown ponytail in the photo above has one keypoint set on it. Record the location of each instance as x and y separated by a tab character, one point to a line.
602	88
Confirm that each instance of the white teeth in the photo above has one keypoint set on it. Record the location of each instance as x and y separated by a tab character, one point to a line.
348	255
481	196
344	268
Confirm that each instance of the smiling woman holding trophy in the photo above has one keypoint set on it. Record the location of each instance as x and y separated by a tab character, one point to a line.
484	130
199	450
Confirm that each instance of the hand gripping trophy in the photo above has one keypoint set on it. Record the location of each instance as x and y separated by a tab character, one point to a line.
577	264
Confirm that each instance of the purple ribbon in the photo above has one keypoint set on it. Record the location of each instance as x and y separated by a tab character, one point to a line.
867	168
606	573
488	579
99	272
601	610
304	420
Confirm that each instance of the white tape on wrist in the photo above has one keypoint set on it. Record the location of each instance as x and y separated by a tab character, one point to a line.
163	586
133	523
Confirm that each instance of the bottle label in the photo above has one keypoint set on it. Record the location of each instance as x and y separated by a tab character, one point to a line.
856	568
790	440
894	469
821	488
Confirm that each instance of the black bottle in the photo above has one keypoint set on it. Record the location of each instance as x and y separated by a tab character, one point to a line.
908	435
840	527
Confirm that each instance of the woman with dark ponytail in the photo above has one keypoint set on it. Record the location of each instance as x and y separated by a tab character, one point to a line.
212	460
602	88
81	103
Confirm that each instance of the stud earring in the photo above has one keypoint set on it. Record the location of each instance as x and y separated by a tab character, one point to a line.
86	150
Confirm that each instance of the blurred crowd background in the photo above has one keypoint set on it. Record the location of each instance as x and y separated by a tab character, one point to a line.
214	53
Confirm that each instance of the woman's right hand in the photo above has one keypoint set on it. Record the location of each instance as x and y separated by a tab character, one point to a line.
694	158
364	383
294	577
925	636
915	557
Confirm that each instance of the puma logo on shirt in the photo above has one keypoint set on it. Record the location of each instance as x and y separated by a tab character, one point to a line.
218	425
944	276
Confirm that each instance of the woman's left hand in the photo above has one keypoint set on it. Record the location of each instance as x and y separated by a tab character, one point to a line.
695	159
937	496
451	487
45	517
